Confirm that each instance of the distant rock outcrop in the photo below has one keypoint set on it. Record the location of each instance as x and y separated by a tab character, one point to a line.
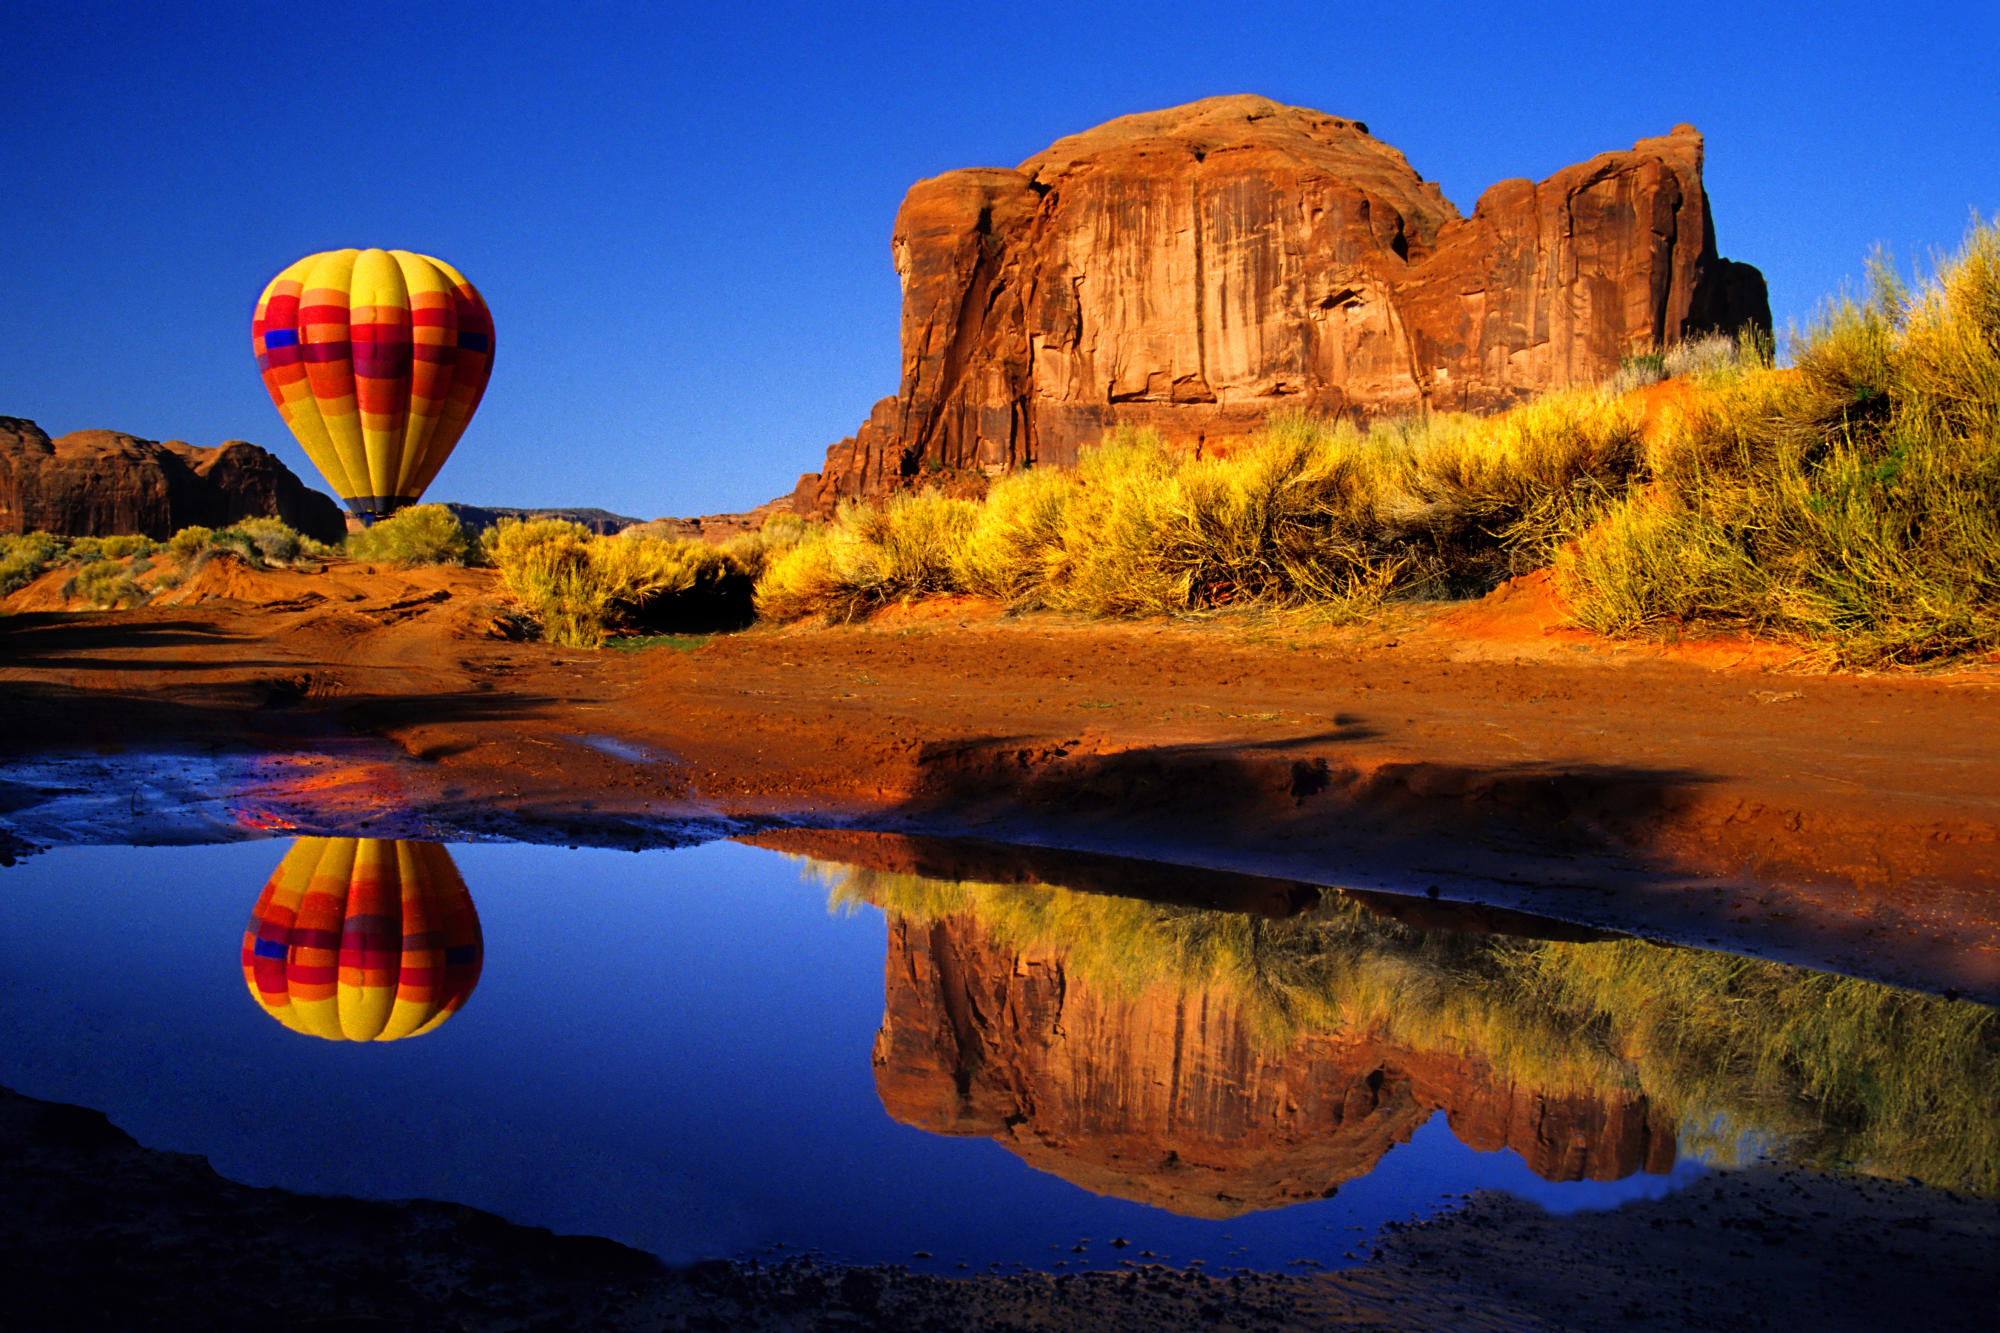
1199	268
476	519
99	483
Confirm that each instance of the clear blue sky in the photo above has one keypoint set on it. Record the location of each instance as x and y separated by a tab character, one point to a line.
680	215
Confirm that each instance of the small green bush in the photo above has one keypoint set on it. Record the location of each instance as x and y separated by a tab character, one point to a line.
273	541
185	545
869	556
105	584
581	588
23	558
418	535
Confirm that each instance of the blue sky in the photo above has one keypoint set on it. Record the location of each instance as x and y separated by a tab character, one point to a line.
680	215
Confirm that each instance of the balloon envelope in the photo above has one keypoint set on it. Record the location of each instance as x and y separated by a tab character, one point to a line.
362	939
376	360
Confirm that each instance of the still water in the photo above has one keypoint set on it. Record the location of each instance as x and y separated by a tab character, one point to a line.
722	1051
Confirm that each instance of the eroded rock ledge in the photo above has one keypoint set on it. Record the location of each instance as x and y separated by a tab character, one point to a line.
1198	268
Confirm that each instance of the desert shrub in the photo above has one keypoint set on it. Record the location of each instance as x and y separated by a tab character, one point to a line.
1637	371
271	539
24	557
1706	355
867	557
753	552
123	545
1474	501
417	535
1850	503
1290	519
546	564
665	586
105	584
1309	513
1016	536
259	542
581	588
190	542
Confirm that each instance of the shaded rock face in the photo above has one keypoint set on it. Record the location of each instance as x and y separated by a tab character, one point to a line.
1166	1099
100	483
1199	268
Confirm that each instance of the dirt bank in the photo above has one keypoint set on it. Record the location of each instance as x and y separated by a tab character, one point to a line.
173	1246
1702	793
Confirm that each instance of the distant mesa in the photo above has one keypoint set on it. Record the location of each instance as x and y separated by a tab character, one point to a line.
99	483
475	519
1196	269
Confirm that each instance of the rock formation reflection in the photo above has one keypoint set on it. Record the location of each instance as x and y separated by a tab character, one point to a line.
363	939
1216	1062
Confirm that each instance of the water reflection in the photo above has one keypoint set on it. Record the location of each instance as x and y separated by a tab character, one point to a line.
363	939
1216	1062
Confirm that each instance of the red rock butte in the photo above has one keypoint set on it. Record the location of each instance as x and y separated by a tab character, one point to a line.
1165	1098
1197	269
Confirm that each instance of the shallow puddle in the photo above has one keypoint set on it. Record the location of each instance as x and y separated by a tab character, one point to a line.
723	1051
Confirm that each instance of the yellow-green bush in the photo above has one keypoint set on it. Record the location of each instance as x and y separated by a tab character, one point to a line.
187	544
104	583
417	535
753	552
1853	502
1308	513
867	557
581	588
24	557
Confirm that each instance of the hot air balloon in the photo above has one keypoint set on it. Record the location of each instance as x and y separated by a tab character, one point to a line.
362	939
376	360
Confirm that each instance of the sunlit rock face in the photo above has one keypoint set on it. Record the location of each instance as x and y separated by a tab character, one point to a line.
1198	268
1166	1097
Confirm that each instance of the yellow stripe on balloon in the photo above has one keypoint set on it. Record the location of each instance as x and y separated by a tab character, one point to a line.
378	301
322	913
323	325
434	318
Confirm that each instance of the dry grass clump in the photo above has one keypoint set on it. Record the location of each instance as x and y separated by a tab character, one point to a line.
106	585
582	588
1309	513
866	558
1853	502
754	552
24	557
417	535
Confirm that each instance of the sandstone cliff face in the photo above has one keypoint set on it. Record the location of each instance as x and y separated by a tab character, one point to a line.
1199	268
1166	1099
98	483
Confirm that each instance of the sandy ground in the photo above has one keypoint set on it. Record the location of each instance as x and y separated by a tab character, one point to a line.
1714	793
1703	793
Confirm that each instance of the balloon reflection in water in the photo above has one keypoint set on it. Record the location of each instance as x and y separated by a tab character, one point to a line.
362	939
